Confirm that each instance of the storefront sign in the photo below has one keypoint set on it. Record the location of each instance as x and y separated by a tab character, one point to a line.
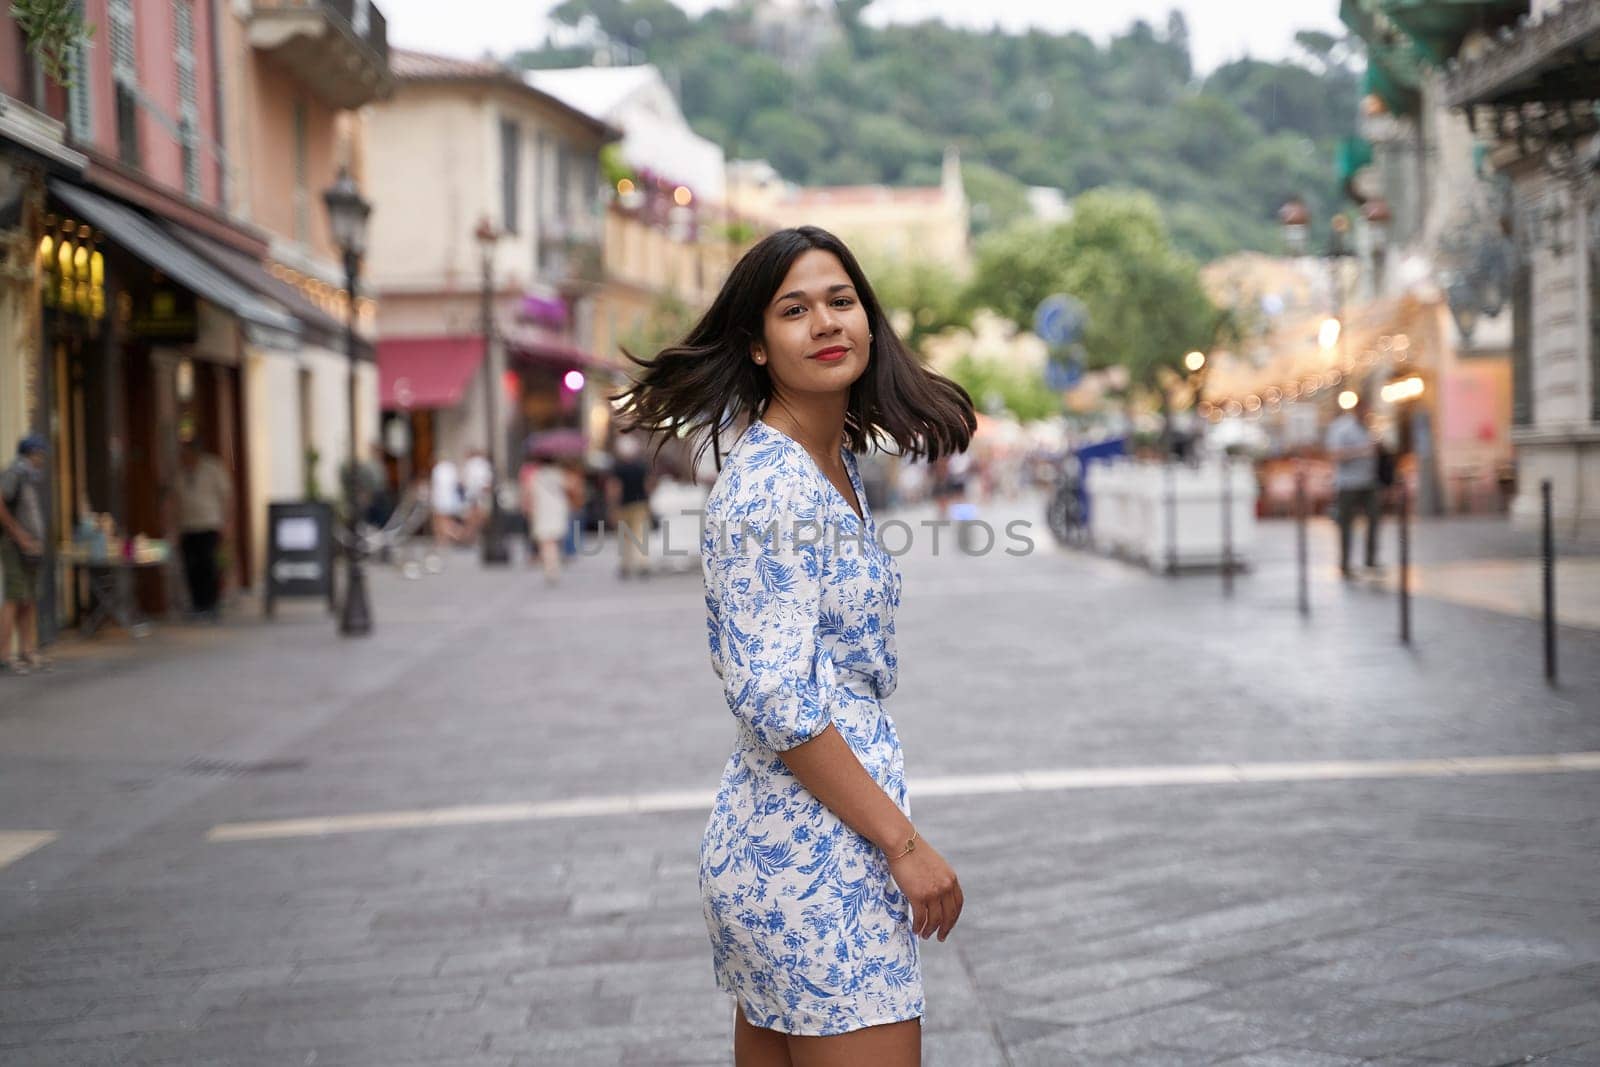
299	551
166	314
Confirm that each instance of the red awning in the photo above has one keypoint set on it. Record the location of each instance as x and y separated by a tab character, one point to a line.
426	372
529	346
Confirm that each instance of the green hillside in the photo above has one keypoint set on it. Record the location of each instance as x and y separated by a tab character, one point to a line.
829	99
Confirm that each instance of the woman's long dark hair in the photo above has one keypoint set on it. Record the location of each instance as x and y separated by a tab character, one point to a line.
707	381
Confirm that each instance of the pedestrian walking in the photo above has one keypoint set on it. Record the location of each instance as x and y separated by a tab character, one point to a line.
815	884
22	536
1354	451
205	524
477	488
546	501
628	492
446	506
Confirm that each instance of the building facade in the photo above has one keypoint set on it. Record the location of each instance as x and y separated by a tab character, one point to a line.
1531	94
479	179
931	223
154	307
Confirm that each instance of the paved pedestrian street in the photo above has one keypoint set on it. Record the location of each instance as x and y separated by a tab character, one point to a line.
1191	830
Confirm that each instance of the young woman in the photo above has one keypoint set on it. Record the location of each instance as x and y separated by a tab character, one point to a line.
814	881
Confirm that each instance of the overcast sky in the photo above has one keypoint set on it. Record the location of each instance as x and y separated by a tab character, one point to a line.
1220	30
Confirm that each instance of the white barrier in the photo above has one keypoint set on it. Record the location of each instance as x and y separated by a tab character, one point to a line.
1171	515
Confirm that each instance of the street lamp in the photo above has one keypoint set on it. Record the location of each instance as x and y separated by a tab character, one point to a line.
492	543
1296	219
347	219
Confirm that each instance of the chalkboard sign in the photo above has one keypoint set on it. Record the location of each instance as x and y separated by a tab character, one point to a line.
299	551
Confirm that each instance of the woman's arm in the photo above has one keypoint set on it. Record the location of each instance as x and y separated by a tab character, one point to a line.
830	771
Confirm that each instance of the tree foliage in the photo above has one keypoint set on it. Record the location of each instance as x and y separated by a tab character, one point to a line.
1145	303
880	104
995	387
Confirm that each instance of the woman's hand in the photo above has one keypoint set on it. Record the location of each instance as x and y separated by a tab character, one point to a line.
931	886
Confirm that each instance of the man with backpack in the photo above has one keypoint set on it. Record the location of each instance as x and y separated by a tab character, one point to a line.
22	534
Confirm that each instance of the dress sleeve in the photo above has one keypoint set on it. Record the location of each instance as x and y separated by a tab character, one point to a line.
766	593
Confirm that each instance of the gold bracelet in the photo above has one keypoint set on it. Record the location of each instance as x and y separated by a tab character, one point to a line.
911	846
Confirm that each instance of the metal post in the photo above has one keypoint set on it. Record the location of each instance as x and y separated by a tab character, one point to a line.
356	618
1304	594
1405	561
492	543
1172	519
1227	523
1549	552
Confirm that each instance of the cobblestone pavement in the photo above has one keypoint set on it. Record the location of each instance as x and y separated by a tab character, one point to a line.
1241	843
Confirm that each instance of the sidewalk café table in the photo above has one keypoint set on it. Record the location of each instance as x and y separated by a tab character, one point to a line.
109	591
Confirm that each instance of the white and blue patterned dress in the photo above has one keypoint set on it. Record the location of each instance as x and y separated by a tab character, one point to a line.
808	931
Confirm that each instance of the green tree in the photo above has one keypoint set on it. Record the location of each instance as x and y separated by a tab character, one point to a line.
927	295
1220	154
992	384
1145	304
996	197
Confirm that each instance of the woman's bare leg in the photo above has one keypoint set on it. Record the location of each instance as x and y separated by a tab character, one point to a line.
890	1045
755	1047
550	556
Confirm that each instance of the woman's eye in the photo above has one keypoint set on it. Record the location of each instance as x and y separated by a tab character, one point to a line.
843	301
796	307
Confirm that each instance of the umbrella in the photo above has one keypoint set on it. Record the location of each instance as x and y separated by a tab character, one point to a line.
555	444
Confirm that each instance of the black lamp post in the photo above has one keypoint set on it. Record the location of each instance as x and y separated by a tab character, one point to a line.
492	544
347	218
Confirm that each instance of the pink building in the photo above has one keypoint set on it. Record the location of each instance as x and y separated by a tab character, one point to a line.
169	200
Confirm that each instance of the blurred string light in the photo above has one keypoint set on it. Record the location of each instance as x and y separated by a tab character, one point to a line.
1348	400
1194	360
1328	334
1403	390
573	380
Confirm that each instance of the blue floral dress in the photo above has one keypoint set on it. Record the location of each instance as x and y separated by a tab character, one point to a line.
808	931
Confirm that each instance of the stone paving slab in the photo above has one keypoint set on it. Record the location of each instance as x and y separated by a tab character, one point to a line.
1385	920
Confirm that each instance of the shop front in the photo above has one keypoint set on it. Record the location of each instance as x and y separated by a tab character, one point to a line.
423	385
143	348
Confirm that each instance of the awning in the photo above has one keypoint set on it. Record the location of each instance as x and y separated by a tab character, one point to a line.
530	346
316	326
426	372
265	323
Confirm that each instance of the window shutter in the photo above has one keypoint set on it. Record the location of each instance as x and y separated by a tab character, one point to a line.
188	93
80	115
124	66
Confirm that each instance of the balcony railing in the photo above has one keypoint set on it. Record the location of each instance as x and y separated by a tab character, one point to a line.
339	48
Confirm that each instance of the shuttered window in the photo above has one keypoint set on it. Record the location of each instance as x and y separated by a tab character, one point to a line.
188	94
510	174
125	79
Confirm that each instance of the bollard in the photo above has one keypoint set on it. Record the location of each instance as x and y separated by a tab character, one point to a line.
1227	523
1172	521
1405	563
1549	552
1300	539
